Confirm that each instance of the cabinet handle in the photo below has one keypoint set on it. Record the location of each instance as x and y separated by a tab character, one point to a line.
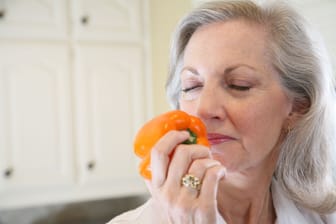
2	13
85	19
8	172
91	165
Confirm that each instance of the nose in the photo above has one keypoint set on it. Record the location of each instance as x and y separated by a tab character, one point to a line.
210	104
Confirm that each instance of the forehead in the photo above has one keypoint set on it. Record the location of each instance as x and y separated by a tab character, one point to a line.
231	38
233	28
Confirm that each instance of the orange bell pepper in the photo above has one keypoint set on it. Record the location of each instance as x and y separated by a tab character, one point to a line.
153	130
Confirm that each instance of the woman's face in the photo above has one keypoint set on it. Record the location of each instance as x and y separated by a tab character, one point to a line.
228	81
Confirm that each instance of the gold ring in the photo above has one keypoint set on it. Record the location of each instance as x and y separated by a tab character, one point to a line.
191	181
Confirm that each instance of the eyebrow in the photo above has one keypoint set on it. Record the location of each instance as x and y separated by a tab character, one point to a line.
227	70
190	69
231	68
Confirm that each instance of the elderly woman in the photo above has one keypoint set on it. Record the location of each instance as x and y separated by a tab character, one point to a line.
261	85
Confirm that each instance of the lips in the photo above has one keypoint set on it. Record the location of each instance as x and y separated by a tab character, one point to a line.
216	138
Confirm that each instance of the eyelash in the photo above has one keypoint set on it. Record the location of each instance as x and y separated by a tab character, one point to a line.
185	90
239	88
235	87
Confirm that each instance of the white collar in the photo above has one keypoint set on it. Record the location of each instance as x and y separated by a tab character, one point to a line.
288	212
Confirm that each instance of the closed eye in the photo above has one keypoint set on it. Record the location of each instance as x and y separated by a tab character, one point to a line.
239	88
191	88
191	93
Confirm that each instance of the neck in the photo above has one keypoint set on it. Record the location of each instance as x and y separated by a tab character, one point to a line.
250	204
245	196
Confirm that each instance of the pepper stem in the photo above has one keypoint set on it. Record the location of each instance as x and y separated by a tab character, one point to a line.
192	138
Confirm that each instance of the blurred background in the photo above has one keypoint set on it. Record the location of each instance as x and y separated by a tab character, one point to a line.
77	80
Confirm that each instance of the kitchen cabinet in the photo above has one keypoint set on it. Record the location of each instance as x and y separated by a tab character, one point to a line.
107	106
35	133
73	91
117	20
39	19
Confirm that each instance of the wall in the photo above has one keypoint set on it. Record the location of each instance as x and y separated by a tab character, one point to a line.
322	18
164	16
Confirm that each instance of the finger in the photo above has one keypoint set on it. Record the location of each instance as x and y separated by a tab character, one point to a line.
200	166
212	177
183	157
198	169
161	152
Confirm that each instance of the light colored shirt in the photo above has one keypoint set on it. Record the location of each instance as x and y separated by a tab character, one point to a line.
286	210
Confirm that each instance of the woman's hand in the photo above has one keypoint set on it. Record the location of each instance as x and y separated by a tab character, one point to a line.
170	162
155	128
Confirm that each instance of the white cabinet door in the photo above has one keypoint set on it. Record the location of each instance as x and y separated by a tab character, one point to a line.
33	19
35	144
111	105
113	20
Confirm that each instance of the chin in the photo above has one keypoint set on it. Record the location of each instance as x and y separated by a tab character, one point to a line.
226	162
229	162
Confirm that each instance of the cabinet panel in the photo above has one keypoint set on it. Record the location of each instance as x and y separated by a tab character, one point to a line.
111	106
115	20
35	113
33	19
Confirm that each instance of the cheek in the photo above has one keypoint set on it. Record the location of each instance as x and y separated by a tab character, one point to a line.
259	133
187	107
260	127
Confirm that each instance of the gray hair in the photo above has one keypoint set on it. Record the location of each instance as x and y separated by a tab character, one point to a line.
307	158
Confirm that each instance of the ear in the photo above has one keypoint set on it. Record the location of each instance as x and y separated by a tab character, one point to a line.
299	108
